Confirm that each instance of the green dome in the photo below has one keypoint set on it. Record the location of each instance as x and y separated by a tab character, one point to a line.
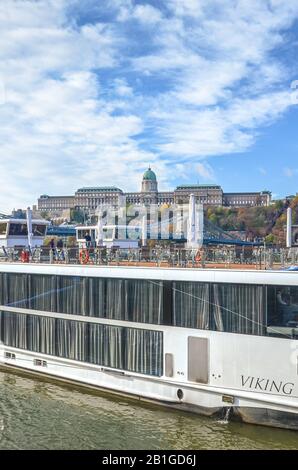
149	175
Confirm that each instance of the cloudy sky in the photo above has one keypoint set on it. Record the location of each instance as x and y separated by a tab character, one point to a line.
93	91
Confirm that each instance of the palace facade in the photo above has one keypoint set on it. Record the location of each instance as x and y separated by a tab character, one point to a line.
90	198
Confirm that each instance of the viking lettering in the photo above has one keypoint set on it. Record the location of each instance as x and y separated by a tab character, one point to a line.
244	382
258	383
288	388
263	384
273	384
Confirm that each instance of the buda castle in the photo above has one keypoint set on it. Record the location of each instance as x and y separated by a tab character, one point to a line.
89	198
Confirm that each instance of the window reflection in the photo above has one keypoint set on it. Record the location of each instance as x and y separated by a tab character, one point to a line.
283	306
18	229
39	230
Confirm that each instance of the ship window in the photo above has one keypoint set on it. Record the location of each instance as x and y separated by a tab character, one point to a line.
3	228
191	304
282	302
130	349
18	229
39	230
108	233
81	234
13	330
238	308
134	300
167	303
41	334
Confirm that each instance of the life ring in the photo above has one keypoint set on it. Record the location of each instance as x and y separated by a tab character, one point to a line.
198	257
84	256
25	256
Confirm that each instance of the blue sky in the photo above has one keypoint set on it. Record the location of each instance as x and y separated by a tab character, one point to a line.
92	92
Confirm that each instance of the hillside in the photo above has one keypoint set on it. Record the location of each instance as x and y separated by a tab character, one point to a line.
256	222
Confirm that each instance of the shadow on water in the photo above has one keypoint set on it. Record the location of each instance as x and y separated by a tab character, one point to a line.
41	414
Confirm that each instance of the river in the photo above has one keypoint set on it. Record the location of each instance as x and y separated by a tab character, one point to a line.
42	414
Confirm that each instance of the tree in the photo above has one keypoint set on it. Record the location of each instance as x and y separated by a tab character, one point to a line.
270	239
77	215
45	215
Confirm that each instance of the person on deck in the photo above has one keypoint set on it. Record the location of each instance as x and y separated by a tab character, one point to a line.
60	246
88	240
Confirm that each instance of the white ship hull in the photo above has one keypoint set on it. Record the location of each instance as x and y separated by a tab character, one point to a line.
254	376
235	377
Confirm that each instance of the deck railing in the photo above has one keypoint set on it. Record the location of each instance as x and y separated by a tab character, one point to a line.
216	257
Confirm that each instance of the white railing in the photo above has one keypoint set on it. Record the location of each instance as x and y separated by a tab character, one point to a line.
257	258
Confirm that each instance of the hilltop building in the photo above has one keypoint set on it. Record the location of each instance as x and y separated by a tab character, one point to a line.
90	198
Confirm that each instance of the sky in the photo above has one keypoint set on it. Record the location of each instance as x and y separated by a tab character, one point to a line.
94	91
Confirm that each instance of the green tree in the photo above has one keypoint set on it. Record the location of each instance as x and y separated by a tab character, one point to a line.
77	215
45	215
270	239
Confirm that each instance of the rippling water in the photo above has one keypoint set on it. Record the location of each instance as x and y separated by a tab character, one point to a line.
38	414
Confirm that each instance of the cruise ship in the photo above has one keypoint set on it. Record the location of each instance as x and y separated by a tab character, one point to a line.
208	341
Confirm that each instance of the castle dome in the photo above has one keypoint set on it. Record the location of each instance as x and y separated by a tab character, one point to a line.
149	175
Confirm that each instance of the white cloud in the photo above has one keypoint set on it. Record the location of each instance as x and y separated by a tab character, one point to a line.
147	14
122	88
290	172
210	131
225	84
86	101
57	131
205	171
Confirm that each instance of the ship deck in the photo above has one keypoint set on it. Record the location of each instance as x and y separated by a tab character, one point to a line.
158	257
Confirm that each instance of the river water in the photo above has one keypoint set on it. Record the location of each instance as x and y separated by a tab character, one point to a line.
41	414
